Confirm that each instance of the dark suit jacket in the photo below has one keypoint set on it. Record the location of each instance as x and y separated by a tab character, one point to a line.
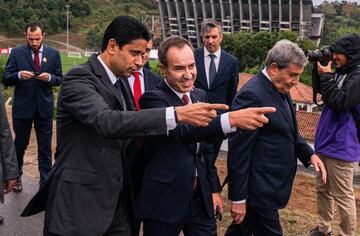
262	163
168	182
8	161
31	95
223	89
93	132
136	157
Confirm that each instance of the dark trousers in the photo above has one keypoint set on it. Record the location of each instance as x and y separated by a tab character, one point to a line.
120	225
43	129
257	222
196	222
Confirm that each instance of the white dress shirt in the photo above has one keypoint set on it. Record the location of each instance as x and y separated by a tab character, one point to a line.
131	81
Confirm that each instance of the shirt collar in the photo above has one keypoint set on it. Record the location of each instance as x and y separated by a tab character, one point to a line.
266	74
41	49
141	71
180	95
108	71
217	53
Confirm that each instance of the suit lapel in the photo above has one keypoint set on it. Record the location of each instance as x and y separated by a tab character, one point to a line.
174	99
201	68
293	112
222	65
147	81
100	72
43	60
131	103
127	94
278	101
28	56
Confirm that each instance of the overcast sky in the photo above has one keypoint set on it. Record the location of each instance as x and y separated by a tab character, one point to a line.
318	2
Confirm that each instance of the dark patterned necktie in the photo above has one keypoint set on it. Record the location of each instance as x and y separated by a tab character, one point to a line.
185	99
212	70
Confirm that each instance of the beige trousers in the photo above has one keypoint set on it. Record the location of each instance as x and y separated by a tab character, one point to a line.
338	189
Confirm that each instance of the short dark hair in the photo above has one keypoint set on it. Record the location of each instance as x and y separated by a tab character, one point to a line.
209	24
33	25
169	42
125	29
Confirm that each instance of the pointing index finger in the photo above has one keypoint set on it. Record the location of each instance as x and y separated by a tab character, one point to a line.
217	106
266	110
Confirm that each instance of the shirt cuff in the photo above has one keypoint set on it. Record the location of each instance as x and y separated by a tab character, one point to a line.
170	118
19	76
49	77
238	202
225	124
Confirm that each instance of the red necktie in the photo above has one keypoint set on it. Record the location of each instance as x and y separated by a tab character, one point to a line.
137	89
185	99
36	61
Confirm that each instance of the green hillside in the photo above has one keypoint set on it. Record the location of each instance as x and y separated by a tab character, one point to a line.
85	16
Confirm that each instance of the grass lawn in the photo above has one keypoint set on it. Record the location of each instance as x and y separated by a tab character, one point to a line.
69	62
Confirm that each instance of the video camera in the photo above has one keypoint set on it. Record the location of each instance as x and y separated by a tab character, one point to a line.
324	56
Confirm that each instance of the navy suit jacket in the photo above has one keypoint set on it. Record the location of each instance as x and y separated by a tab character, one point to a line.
223	89
262	163
136	158
168	182
31	95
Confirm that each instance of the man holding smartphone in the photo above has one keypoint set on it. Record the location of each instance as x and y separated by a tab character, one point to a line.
33	69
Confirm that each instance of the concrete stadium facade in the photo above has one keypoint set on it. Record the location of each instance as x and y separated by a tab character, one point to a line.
184	17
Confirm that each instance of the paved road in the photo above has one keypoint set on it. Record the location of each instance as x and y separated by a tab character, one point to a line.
14	225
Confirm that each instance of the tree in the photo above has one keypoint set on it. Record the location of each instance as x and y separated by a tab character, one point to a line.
94	38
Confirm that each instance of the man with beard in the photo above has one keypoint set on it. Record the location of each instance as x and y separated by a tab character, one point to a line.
33	69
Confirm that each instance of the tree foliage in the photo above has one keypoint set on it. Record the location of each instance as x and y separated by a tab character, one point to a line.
251	48
16	14
340	18
94	38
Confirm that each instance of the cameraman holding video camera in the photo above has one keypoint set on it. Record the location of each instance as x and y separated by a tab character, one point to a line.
336	140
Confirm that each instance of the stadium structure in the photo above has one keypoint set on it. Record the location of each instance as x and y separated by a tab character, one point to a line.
184	17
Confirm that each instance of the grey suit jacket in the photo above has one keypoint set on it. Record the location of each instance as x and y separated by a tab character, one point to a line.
93	131
8	161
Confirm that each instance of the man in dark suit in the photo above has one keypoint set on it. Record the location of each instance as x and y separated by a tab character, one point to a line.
179	182
218	72
141	80
262	163
8	163
33	69
88	191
